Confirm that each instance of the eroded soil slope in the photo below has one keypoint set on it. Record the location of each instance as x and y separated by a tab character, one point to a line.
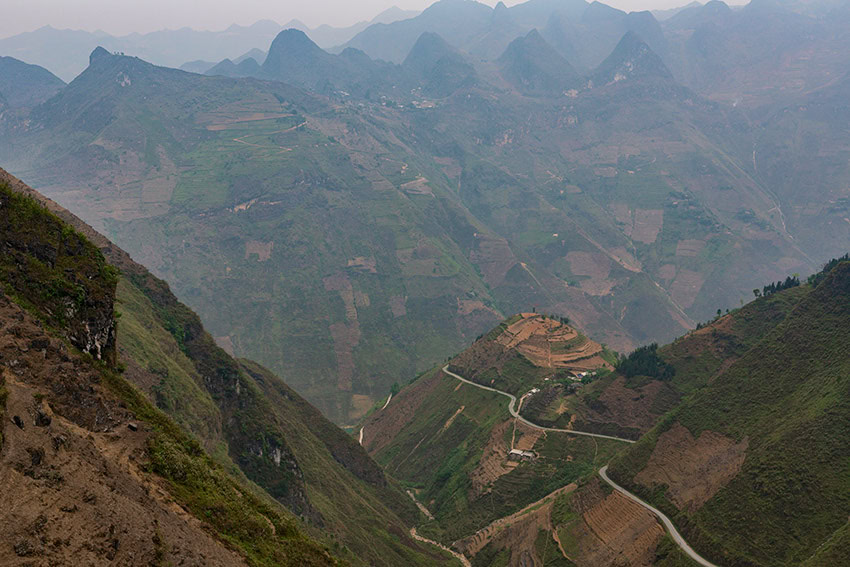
72	466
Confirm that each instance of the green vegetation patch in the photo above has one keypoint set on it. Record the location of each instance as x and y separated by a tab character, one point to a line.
245	521
788	396
54	271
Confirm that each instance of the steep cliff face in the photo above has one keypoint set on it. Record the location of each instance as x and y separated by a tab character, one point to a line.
51	267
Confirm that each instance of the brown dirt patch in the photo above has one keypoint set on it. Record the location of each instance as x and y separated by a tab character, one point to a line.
648	223
360	404
346	336
74	491
694	470
226	343
452	419
398	305
593	264
467	306
686	287
516	532
418	186
614	530
363	264
626	407
494	257
597	288
263	250
226	120
689	248
525	437
361	298
494	461
625	259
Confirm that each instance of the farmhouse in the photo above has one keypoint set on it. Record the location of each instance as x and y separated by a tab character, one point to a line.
517	455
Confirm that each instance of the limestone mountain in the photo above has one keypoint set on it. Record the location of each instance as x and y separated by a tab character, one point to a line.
534	67
204	178
26	86
246	68
631	59
737	55
296	58
440	69
456	21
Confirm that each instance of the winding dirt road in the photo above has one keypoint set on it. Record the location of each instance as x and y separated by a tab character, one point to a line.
515	413
460	557
603	472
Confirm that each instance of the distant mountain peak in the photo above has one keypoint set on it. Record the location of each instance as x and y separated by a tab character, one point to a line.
98	53
440	66
534	67
293	38
428	49
631	59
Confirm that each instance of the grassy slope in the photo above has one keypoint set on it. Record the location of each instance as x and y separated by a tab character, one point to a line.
697	357
788	395
236	515
334	478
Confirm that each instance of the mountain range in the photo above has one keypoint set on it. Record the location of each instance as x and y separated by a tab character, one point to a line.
617	196
65	52
550	284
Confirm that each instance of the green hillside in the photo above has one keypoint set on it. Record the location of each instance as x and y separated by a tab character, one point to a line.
784	403
253	424
629	402
448	442
63	267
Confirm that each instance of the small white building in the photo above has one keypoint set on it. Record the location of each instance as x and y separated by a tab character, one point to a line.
518	455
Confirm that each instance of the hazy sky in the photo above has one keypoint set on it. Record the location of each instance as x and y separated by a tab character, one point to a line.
126	16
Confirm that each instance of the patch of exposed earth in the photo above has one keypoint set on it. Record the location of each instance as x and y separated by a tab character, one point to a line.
693	470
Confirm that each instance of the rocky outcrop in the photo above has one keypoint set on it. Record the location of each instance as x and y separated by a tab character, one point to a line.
58	274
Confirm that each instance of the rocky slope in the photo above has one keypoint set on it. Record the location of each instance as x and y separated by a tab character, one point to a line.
91	470
252	423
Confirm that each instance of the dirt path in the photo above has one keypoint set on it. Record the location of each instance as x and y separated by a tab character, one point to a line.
458	556
420	505
282	149
680	541
382	409
516	414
